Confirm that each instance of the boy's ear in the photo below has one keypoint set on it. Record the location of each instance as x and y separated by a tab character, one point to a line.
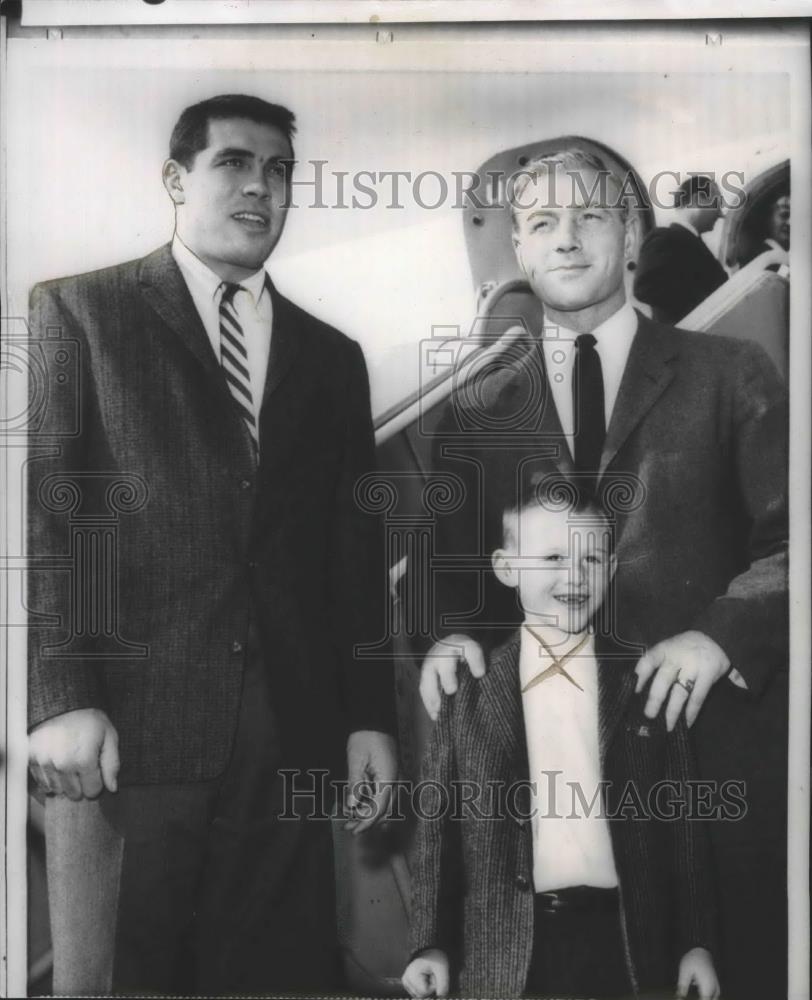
173	181
503	568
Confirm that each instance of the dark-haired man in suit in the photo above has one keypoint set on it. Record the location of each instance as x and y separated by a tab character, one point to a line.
694	429
676	270
248	580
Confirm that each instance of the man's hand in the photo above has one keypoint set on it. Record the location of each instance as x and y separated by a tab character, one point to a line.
440	669
427	975
696	969
372	760
75	754
687	665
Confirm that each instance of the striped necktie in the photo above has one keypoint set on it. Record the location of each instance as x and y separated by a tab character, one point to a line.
234	360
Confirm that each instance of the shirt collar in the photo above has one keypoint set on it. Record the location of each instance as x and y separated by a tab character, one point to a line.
618	329
558	643
774	244
206	280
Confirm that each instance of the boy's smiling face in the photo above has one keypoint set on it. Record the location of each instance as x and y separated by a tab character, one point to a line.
561	563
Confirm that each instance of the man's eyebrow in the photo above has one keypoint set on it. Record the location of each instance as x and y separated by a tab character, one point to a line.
233	151
540	211
246	154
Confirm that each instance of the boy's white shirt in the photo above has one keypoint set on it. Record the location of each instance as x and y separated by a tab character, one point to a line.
561	729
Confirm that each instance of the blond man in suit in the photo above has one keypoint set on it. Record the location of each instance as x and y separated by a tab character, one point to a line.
699	424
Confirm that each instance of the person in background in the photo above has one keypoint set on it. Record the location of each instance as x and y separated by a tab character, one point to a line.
773	227
675	268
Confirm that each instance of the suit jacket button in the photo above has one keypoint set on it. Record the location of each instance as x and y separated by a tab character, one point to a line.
522	882
245	484
236	646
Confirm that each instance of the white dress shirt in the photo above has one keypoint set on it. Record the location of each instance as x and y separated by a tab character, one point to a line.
613	342
253	308
571	842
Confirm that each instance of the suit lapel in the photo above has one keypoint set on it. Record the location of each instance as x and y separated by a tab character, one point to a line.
500	688
552	422
648	371
285	342
502	692
166	291
616	681
550	432
163	287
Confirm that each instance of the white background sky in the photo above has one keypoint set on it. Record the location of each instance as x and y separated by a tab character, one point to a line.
90	120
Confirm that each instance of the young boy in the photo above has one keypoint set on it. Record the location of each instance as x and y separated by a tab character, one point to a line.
594	885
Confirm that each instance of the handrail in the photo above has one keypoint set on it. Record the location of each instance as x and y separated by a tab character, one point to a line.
400	416
442	387
720	301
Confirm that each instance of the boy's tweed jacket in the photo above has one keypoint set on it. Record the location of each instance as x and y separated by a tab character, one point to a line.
473	878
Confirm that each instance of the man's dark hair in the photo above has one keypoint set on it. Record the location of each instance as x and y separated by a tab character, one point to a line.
191	131
698	191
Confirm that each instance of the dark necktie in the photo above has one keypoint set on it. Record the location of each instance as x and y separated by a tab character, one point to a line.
234	360
588	406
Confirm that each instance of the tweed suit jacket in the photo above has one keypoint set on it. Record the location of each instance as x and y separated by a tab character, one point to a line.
675	272
208	542
694	471
472	876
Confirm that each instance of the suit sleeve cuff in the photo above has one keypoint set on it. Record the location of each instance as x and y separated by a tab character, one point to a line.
725	622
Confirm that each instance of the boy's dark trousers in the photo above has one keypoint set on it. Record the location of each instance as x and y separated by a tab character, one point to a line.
578	948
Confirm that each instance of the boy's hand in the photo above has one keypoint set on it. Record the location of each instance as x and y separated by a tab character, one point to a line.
75	754
440	669
427	975
687	666
696	969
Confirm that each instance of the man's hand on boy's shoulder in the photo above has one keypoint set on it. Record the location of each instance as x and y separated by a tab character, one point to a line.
697	969
439	671
427	975
684	668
